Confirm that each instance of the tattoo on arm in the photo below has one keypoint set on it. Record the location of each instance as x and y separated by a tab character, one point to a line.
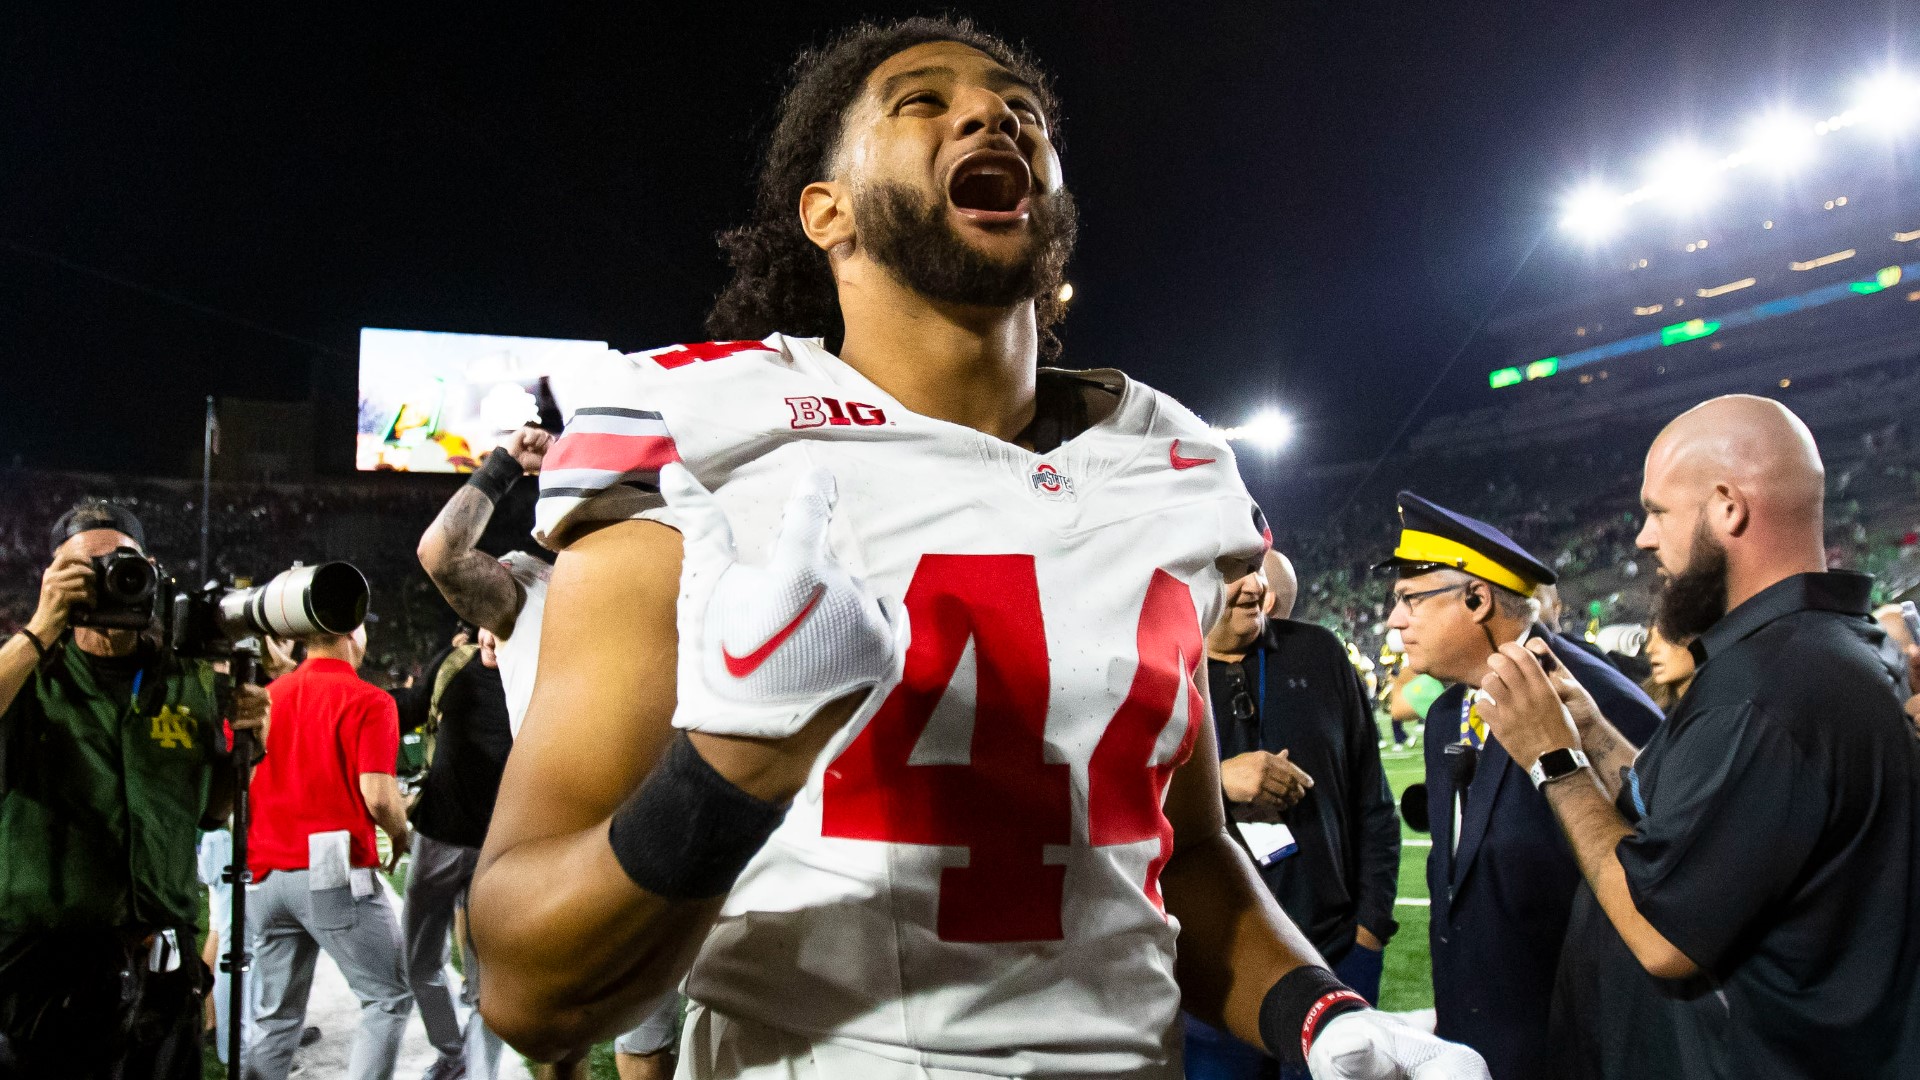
479	589
1609	753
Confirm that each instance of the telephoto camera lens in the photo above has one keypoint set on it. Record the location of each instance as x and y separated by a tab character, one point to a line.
327	599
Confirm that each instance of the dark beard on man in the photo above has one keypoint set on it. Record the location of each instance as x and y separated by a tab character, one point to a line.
1695	598
912	238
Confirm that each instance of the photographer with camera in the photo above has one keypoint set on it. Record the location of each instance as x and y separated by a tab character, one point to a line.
111	758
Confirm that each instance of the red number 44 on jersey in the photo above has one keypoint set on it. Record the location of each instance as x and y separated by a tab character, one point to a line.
1008	803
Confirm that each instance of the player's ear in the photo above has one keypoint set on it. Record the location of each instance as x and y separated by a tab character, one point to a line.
826	214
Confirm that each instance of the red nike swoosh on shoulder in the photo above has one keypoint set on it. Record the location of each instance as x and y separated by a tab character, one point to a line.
1178	462
742	666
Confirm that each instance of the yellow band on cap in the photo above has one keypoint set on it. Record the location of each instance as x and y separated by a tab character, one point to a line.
1429	547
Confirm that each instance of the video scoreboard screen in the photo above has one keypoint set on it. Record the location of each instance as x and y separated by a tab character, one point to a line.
435	402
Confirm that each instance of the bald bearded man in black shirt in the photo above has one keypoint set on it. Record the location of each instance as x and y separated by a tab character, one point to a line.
1753	904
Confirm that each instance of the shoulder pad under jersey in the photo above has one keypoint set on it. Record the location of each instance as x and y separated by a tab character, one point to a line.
644	410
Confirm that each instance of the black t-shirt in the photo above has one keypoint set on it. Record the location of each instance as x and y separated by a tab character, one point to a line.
1776	845
470	751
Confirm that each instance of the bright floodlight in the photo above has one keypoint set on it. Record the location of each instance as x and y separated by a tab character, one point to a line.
1269	429
1780	141
1685	178
1592	212
1890	101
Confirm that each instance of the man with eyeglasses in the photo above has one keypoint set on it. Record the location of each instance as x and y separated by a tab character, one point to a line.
1500	874
1299	748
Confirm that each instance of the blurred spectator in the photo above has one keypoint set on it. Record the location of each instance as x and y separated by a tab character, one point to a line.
326	781
470	745
1672	670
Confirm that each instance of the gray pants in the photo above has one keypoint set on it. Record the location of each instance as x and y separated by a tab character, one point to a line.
292	923
436	885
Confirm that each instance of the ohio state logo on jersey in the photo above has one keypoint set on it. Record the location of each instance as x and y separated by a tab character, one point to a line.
1051	483
813	412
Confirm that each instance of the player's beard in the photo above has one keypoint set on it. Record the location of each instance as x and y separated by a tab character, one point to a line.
913	239
1696	597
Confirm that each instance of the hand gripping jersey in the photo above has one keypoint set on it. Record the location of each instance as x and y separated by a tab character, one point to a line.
970	879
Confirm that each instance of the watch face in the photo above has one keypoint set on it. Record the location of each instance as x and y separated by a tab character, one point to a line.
1555	764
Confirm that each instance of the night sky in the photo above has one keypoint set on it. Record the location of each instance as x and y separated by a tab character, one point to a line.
1304	204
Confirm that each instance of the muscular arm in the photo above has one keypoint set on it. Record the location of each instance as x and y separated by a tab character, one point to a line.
571	945
478	588
1594	830
1235	942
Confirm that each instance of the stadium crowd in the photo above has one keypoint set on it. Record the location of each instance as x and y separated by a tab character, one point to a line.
1580	509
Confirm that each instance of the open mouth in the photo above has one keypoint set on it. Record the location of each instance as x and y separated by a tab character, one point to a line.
991	185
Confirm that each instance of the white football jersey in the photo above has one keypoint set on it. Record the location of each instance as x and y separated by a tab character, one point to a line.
970	879
519	652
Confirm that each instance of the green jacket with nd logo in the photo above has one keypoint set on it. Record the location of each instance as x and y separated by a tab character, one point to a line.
107	771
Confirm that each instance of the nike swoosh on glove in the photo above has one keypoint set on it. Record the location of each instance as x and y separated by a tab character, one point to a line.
763	648
1369	1045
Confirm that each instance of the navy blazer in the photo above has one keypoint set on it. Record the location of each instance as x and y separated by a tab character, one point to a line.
1501	902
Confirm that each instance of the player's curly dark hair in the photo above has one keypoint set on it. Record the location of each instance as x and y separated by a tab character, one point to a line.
781	281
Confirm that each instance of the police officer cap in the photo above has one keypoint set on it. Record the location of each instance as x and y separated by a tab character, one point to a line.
1433	537
96	514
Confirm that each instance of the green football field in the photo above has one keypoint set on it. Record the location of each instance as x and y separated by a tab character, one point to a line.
1408	981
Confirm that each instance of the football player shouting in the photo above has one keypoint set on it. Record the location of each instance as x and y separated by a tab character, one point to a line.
867	694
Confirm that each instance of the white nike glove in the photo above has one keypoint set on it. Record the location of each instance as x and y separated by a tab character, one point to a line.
763	648
1369	1045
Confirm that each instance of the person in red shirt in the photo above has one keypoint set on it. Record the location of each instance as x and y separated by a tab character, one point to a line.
326	780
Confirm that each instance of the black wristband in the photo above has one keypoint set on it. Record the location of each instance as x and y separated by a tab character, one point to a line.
37	647
1298	1006
496	475
688	832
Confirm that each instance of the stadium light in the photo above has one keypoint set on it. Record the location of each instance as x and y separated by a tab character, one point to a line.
1688	177
1685	178
1780	141
1268	429
1593	212
1889	101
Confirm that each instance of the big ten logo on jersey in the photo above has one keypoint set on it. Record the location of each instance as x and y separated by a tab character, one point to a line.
1013	799
1050	483
813	412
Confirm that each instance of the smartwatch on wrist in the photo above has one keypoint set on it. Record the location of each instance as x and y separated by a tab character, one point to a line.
1555	764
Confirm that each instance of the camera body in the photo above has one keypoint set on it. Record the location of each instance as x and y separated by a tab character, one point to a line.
133	592
126	591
